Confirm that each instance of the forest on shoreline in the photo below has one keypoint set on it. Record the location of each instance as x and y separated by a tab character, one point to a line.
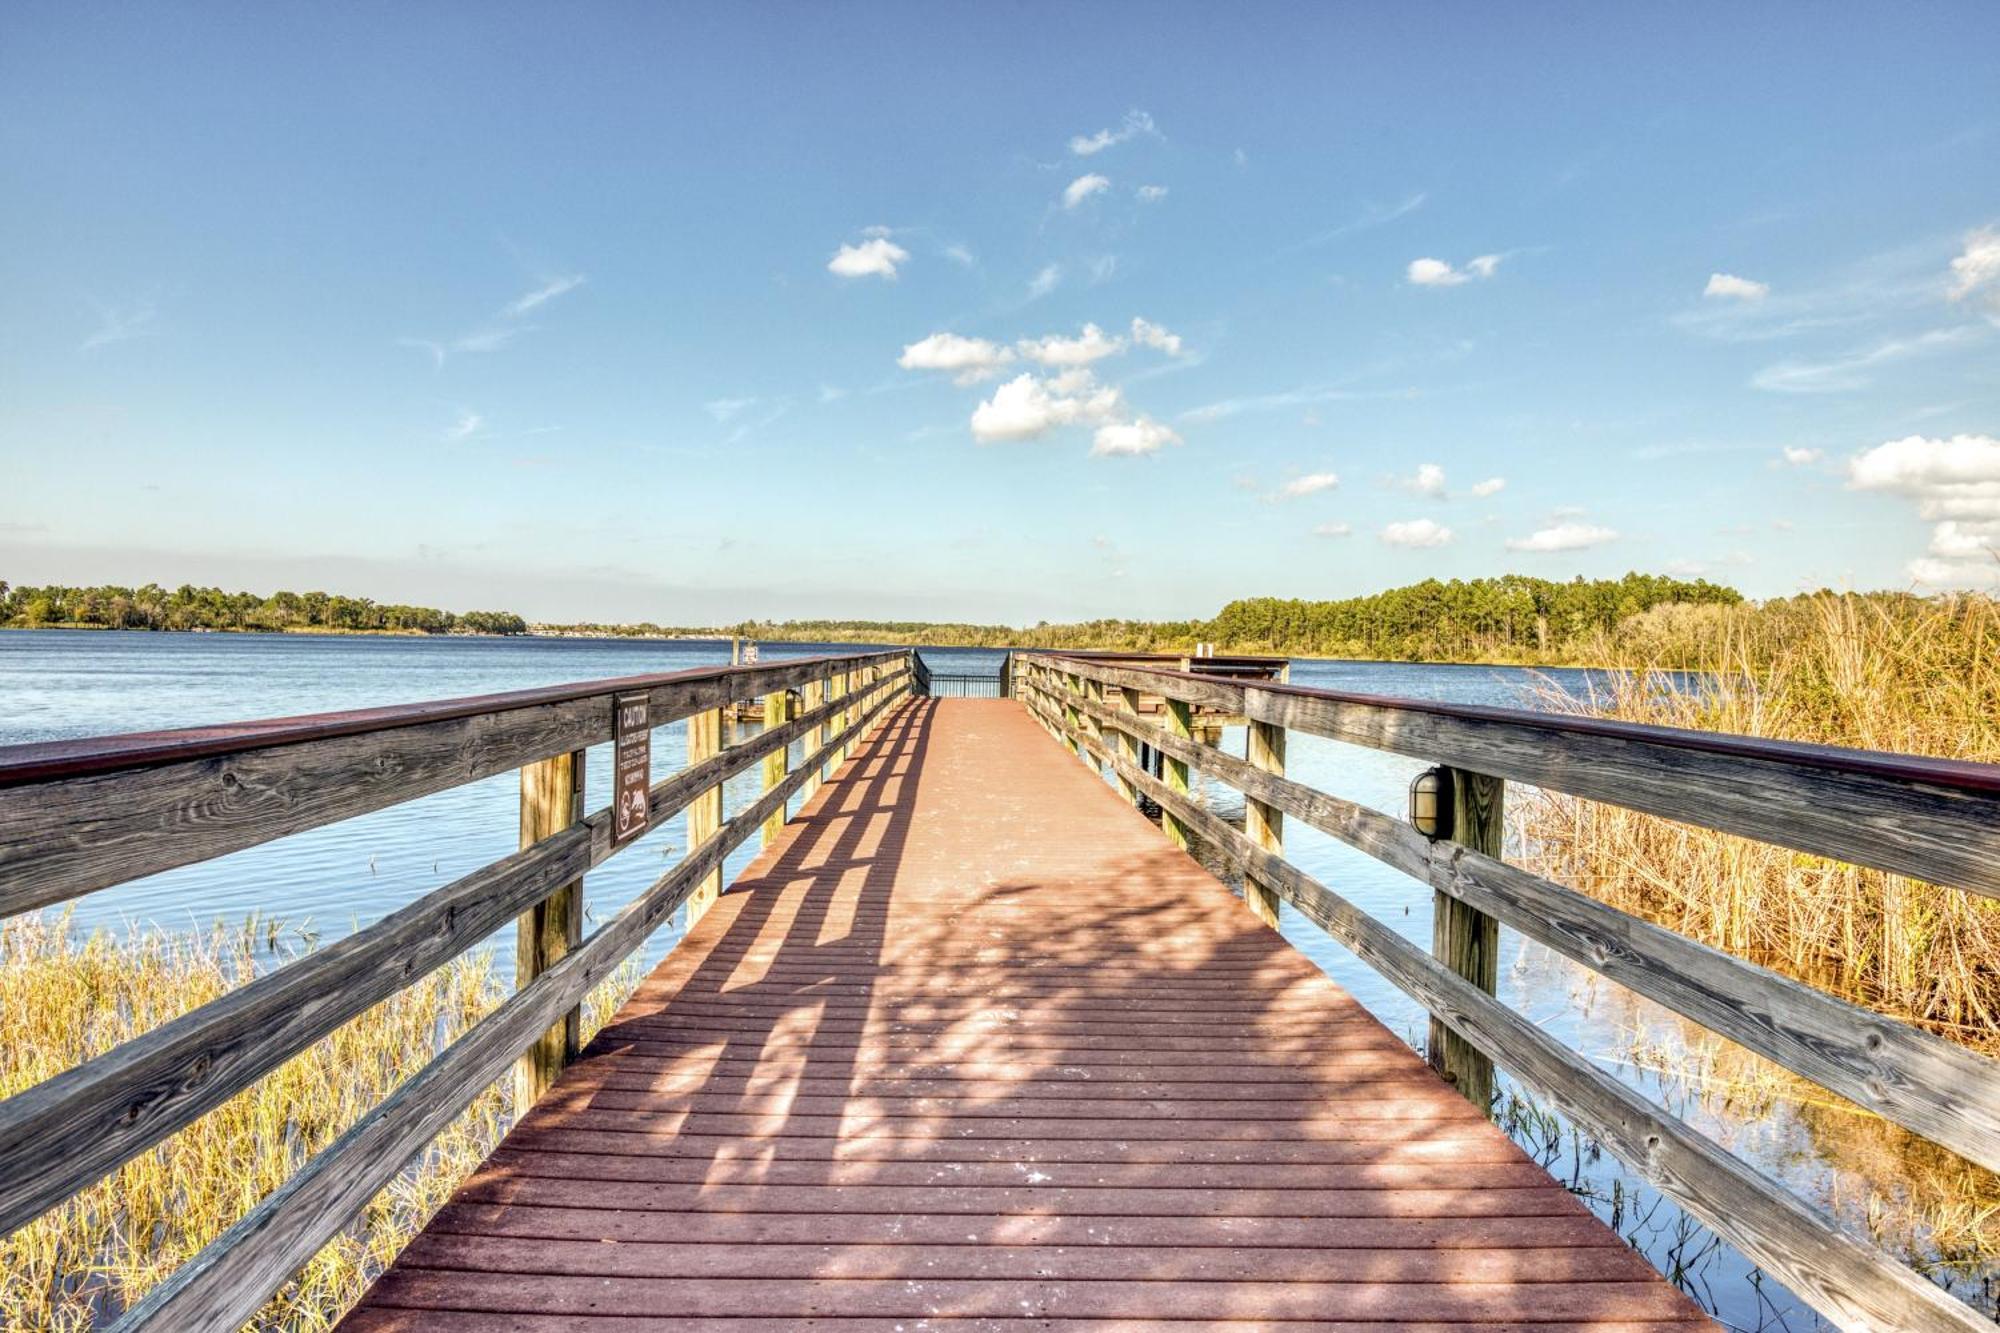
1639	619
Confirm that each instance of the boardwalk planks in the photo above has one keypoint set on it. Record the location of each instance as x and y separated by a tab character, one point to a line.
920	1064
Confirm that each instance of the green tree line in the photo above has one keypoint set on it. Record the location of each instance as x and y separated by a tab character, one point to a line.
1509	618
109	606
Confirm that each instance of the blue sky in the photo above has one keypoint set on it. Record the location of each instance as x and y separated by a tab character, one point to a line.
687	313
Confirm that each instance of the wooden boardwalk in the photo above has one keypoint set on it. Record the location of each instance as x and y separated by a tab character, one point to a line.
972	1048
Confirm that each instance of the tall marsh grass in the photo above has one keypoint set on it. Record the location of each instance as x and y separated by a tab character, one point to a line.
1884	672
64	1000
1879	672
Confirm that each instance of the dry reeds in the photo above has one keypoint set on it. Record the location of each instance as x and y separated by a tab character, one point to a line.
63	1001
1884	672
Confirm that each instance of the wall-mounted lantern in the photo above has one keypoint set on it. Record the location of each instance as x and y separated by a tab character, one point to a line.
1430	803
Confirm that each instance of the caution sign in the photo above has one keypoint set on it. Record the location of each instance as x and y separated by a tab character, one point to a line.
631	765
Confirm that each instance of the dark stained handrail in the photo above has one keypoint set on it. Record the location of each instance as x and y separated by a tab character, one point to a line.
42	761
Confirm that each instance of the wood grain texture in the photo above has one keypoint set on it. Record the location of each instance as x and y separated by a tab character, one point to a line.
1465	939
824	1165
551	801
1263	823
1927	1084
66	1132
1852	1284
223	1285
1934	820
76	816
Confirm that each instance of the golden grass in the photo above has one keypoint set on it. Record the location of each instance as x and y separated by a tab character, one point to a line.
1897	673
63	1001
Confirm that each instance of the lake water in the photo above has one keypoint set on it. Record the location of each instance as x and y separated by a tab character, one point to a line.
56	684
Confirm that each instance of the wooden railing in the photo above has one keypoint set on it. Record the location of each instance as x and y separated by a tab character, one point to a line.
1934	820
76	816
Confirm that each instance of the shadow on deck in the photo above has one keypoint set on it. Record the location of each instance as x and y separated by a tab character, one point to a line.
972	1048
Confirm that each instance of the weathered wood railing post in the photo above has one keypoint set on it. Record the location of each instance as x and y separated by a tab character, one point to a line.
815	698
1264	747
1128	742
704	812
838	724
778	711
1071	721
1179	719
551	800
1465	939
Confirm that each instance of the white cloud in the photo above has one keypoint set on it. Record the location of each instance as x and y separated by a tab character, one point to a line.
1335	529
1798	457
1312	483
1956	484
1951	478
1025	408
1147	334
1563	537
1854	371
1956	573
1975	274
1435	273
1045	281
466	426
1964	539
1143	435
960	254
876	257
548	291
1151	194
726	409
1491	486
1427	480
968	360
1056	350
117	326
1082	188
1136	123
1438	273
1729	287
1103	268
1417	532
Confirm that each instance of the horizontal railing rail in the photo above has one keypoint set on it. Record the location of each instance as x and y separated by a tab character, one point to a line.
1928	1085
210	791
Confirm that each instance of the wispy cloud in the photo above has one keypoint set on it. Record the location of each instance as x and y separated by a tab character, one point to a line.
1370	217
1334	529
1044	281
1273	402
1491	486
1151	194
1975	273
1856	370
545	293
1083	187
502	329
468	425
117	325
1136	123
725	410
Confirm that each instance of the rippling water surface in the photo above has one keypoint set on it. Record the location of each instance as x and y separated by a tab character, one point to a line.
56	684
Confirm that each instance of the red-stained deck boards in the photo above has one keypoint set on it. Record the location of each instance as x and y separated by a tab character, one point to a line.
972	1049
